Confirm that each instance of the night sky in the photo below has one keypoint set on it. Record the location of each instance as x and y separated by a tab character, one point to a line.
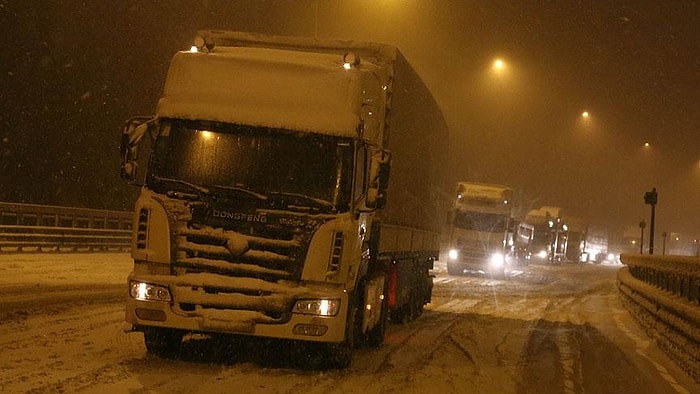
74	71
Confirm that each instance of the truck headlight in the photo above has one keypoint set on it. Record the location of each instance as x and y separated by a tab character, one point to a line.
497	260
320	307
453	254
149	292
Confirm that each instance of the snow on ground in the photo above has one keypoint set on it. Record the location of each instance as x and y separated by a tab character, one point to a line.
63	269
53	278
549	329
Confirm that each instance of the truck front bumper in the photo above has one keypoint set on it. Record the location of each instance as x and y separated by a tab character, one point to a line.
201	319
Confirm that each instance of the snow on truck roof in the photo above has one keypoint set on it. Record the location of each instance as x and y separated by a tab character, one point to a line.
271	81
484	191
378	53
543	213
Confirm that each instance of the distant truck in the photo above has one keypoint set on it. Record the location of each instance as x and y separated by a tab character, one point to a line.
586	242
290	188
522	243
481	229
549	235
596	245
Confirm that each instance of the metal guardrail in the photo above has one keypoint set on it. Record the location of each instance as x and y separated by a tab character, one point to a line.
30	227
663	293
35	238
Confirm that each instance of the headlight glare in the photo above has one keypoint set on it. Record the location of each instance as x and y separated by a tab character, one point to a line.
149	292
497	260
320	307
453	254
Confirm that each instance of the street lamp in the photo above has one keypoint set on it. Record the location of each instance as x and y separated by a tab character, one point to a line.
499	65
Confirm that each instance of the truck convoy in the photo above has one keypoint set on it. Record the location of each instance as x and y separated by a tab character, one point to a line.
559	238
290	188
481	229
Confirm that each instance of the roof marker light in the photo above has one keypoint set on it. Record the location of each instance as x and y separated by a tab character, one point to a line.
198	44
350	60
202	44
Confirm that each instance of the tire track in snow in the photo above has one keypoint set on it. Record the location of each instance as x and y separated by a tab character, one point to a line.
73	346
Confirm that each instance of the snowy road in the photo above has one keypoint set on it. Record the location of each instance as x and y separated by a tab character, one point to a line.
548	329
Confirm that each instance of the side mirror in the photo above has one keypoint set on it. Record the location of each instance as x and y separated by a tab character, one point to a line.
380	166
132	140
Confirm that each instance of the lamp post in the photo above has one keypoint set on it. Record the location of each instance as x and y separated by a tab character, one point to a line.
663	248
642	224
651	198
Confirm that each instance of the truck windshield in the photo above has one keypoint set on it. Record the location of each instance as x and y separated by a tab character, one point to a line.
275	164
480	221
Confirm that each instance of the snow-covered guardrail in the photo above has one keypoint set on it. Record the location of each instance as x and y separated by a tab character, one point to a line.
30	227
43	239
663	293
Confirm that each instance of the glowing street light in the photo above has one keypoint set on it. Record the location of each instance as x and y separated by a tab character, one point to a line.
499	65
585	114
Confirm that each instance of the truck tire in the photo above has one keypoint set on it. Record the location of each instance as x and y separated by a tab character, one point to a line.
162	341
418	306
408	312
339	355
453	270
375	335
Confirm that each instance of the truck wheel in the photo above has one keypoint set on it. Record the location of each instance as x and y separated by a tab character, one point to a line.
400	315
452	270
339	355
375	336
498	274
417	306
162	341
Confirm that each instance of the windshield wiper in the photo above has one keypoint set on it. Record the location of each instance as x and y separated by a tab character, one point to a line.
239	189
197	191
301	200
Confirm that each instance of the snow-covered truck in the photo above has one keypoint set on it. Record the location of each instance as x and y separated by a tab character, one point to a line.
586	242
290	188
547	245
481	229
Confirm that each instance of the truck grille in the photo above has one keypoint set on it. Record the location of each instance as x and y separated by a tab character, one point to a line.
231	253
235	278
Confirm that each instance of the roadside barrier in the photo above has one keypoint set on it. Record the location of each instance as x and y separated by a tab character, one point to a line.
663	294
50	228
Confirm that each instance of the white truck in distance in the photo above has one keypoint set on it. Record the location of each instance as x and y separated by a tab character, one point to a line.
481	229
290	188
